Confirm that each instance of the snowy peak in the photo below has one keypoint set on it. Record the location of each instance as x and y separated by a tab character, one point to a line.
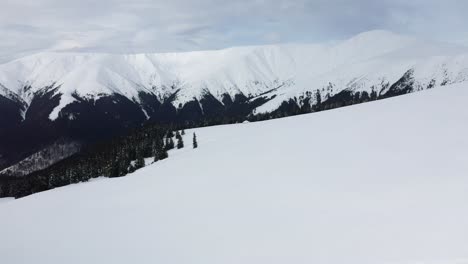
371	60
372	44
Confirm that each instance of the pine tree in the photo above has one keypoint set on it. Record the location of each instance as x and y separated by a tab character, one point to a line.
373	95
114	169
123	166
169	144
180	142
195	143
140	162
183	132
160	151
131	168
170	134
163	154
166	144
318	98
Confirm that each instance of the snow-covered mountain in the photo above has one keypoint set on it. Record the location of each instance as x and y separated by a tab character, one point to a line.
88	96
377	183
374	59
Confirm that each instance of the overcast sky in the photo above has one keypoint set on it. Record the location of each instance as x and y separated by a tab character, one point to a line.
28	26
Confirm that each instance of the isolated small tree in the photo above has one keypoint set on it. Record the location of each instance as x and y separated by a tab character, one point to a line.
183	132
195	143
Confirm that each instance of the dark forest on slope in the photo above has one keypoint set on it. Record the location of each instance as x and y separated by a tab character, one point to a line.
114	158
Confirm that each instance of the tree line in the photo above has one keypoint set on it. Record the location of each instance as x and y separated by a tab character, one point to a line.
114	158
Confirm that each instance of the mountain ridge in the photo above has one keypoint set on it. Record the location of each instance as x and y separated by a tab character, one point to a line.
87	97
250	70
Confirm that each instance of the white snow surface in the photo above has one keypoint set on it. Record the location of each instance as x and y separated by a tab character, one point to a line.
381	182
367	60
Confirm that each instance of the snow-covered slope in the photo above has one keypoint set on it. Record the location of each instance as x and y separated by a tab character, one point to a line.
382	182
372	60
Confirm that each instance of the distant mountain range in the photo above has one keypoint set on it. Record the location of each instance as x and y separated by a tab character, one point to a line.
84	97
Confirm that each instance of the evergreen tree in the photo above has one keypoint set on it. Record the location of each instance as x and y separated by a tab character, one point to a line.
140	162
154	150
160	151
183	132
169	144
170	134
180	142
114	169
166	144
195	143
123	167
131	168
318	99
373	95
163	154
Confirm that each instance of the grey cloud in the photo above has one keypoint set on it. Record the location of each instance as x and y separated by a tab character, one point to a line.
159	25
20	28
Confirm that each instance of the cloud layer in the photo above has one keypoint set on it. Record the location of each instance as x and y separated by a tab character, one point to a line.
178	25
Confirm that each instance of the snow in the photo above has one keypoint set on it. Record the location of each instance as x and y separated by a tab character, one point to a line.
364	61
6	200
381	182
